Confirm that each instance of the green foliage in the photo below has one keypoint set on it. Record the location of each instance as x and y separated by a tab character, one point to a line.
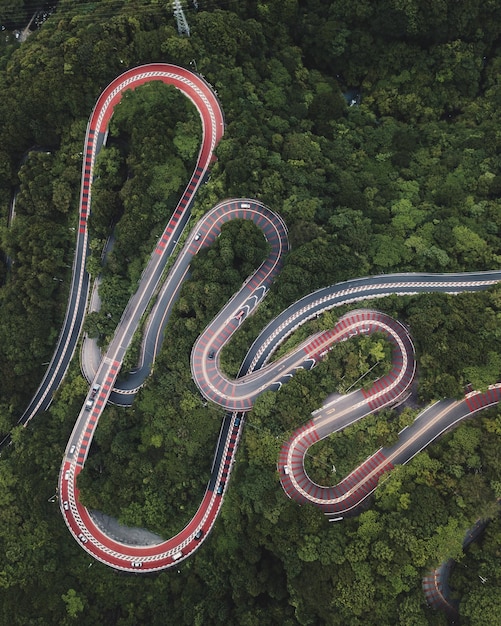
164	439
406	181
475	580
442	328
39	242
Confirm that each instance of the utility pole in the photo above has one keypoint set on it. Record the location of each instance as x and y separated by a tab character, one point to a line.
182	24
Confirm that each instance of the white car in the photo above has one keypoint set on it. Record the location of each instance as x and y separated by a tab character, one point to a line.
83	538
137	564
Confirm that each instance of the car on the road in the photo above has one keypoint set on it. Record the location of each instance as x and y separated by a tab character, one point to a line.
72	449
245	205
240	314
286	469
220	489
67	474
95	389
211	354
137	564
88	404
197	236
199	534
177	555
83	538
66	505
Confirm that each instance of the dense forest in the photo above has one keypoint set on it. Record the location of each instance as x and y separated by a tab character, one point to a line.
372	127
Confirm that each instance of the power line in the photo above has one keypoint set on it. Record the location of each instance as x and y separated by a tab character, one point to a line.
83	11
92	11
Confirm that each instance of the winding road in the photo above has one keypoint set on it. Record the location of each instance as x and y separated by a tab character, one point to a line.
258	372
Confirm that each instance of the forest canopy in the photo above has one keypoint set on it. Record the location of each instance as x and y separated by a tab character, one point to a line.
372	128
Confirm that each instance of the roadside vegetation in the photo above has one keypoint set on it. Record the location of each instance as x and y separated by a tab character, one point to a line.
405	176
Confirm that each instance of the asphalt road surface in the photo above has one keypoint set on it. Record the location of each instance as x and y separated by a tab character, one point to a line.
257	373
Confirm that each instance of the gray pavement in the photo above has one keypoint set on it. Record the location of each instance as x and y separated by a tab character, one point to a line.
125	534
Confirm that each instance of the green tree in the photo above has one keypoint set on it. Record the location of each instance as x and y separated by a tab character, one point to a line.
74	603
